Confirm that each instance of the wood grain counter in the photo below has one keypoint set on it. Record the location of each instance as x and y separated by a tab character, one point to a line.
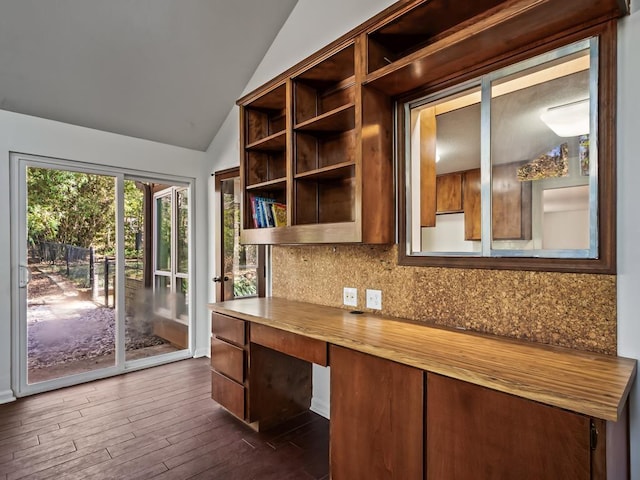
588	383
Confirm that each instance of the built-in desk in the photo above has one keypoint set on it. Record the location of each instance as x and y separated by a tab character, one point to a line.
414	401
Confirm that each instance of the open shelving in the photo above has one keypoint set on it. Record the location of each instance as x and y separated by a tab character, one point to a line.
325	141
264	150
319	137
422	25
302	146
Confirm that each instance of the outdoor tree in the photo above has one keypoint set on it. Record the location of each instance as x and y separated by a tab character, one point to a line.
79	209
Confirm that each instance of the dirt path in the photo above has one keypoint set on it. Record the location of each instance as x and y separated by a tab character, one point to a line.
63	327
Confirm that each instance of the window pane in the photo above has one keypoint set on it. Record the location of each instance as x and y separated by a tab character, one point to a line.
240	261
445	171
162	294
182	299
540	156
163	233
183	231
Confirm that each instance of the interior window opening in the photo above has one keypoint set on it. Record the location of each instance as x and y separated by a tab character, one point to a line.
502	167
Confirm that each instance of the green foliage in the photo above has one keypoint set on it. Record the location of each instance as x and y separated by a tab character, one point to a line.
244	287
71	207
133	218
79	209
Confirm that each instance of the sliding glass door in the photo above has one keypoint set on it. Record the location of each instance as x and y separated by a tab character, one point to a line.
100	269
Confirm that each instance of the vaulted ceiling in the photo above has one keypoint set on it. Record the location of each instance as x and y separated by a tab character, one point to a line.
162	70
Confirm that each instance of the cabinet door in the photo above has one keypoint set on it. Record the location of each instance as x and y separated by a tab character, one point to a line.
511	205
376	418
471	205
449	193
474	432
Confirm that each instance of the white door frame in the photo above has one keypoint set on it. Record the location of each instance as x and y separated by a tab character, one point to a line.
18	165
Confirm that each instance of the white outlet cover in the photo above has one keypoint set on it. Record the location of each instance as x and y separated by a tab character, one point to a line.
374	299
350	296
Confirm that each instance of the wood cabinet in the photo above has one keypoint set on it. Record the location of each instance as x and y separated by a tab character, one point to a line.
264	139
228	363
376	418
325	139
474	432
511	204
407	33
426	41
412	401
307	143
472	205
449	193
260	374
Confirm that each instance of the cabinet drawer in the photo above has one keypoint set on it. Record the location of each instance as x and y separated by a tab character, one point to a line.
299	346
227	359
228	328
228	393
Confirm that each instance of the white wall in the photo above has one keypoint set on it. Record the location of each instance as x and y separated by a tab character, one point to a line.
628	217
25	134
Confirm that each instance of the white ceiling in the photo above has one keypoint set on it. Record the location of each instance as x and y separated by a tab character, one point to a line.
163	70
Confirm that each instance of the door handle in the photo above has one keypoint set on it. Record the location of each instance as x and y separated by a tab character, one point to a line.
25	276
220	279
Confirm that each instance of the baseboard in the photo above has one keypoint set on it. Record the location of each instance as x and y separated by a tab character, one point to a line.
7	396
201	352
320	406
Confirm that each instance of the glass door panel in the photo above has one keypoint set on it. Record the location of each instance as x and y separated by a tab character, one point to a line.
100	270
240	262
157	315
163	233
71	245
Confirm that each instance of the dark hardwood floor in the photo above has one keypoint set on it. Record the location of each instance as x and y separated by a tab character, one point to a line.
158	423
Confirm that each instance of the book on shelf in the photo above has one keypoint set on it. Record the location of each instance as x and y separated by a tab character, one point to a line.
265	205
279	211
254	211
267	212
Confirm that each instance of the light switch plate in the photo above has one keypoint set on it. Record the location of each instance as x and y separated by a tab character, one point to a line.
350	296
374	299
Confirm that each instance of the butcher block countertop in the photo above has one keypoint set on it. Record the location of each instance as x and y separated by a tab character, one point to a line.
592	384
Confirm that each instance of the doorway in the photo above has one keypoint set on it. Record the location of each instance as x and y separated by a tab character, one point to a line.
241	268
85	247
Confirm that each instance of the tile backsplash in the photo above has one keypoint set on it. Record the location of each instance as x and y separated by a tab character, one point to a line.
571	310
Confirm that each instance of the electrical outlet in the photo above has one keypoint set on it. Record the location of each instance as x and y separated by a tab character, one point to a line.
374	299
350	296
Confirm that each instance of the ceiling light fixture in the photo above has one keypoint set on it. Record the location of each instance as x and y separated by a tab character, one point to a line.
568	120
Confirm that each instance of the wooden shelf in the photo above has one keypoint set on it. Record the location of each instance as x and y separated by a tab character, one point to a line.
274	99
275	184
274	142
511	25
340	119
334	69
341	170
418	26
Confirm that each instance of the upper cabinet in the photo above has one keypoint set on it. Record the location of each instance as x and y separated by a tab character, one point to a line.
265	141
317	151
318	155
